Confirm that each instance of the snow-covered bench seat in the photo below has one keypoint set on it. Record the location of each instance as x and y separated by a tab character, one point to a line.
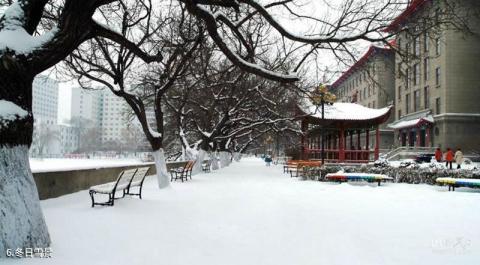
182	172
137	181
458	182
121	184
344	177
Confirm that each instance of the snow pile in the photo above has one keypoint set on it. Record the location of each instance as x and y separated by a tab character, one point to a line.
252	214
10	111
15	37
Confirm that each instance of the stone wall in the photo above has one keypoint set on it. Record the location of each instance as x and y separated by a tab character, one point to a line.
58	183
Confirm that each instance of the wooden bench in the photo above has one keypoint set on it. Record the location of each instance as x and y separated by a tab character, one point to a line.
291	165
182	172
137	181
306	168
121	184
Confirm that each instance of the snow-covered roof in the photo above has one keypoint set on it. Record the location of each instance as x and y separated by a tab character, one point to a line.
411	122
344	111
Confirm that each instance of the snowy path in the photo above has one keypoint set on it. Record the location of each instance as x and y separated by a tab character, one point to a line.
249	214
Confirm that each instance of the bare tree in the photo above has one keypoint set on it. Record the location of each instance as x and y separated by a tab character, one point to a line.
117	68
53	30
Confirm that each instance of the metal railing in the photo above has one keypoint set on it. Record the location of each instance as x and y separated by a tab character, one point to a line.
407	150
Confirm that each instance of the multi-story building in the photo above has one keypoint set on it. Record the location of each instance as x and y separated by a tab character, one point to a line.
45	111
370	82
114	117
69	139
86	105
45	100
437	99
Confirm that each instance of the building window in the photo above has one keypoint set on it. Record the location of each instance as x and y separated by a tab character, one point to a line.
407	103
416	43
407	51
426	45
399	93
407	78
437	76
399	114
426	69
437	46
437	106
416	100
426	97
416	74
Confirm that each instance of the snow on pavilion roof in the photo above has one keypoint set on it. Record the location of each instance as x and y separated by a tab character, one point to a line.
411	123
344	111
415	120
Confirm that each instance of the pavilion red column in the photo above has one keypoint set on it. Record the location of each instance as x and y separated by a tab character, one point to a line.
303	138
377	142
351	140
427	136
359	147
341	145
367	144
417	144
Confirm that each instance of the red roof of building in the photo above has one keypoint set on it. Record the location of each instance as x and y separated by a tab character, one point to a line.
373	50
414	6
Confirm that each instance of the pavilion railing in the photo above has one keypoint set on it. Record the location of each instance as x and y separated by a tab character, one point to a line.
351	156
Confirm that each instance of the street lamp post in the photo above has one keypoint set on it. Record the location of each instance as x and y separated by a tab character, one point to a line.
268	142
320	97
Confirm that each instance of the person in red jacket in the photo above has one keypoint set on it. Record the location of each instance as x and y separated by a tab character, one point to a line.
438	155
449	157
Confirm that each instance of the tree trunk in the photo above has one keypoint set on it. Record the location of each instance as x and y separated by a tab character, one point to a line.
237	156
224	159
213	158
197	168
22	224
161	166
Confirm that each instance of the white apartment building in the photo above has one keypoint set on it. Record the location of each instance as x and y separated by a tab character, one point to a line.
87	105
45	111
68	139
45	99
114	117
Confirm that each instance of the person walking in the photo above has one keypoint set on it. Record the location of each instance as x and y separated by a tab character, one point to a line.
268	160
459	158
449	158
438	155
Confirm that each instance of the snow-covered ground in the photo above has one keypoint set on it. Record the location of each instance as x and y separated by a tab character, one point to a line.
65	164
251	214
